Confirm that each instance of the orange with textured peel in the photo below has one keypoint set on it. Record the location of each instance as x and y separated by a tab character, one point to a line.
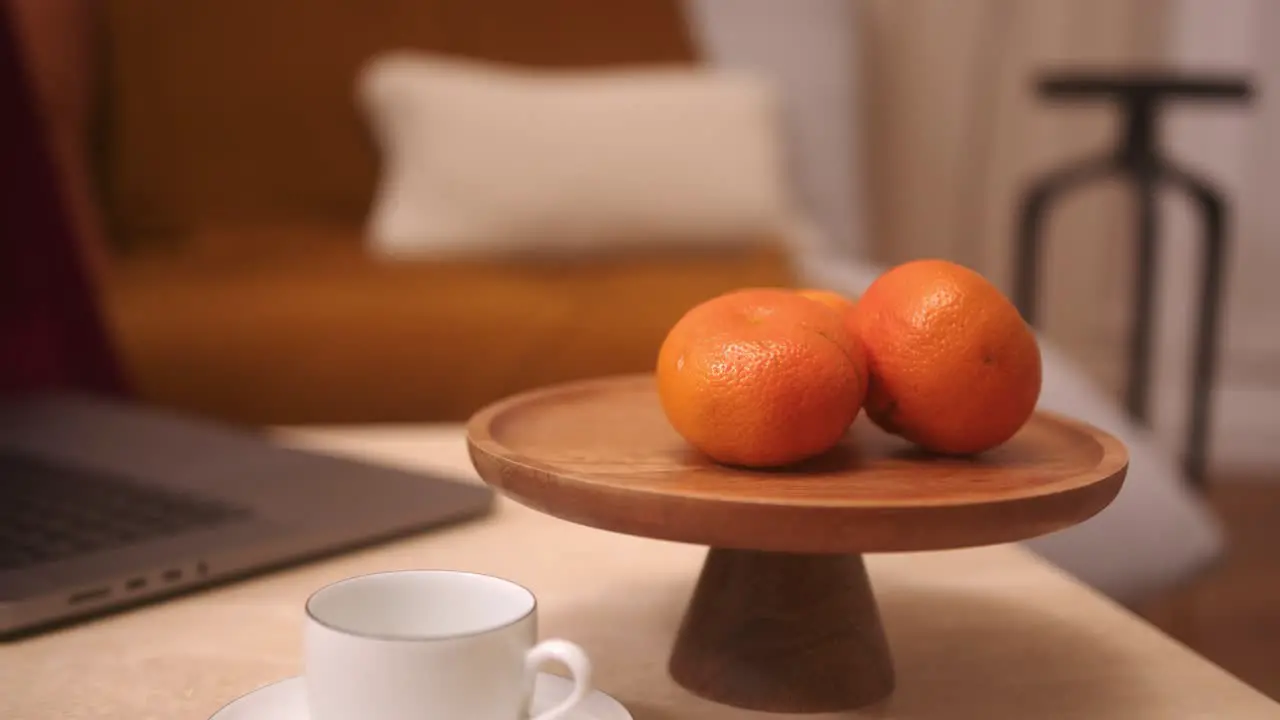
760	377
953	366
830	298
833	300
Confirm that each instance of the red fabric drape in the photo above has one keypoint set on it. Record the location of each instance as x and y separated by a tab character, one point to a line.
51	335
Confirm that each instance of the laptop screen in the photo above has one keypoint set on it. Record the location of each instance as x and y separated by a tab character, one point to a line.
51	334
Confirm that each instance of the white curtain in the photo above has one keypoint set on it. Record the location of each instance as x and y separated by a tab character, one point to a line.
807	47
915	126
957	131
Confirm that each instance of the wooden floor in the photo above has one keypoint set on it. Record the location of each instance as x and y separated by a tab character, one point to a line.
1231	615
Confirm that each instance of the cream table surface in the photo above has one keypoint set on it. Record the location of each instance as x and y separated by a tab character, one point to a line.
977	634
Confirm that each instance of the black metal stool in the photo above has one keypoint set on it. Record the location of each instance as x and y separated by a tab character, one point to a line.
1140	97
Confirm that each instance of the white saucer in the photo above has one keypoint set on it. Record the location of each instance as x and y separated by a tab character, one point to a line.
286	700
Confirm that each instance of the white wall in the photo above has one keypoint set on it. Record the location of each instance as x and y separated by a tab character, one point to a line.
1239	149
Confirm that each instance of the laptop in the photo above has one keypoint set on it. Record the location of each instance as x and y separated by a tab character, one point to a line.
106	503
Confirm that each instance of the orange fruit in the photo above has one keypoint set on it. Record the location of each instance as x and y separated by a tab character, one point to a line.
830	298
760	377
833	300
953	367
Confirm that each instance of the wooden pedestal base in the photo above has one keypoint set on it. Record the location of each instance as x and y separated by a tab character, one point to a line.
784	633
791	626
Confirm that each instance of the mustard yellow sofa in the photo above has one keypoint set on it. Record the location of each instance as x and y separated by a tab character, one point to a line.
221	175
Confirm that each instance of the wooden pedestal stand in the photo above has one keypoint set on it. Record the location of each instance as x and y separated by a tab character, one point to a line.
783	618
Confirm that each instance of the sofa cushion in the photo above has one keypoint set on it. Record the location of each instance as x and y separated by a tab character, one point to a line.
492	159
328	335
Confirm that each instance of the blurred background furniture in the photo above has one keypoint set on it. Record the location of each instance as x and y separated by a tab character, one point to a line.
1137	157
233	180
49	336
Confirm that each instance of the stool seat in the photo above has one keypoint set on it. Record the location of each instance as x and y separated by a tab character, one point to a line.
1146	84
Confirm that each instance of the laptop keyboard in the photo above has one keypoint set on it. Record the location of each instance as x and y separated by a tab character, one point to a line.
50	513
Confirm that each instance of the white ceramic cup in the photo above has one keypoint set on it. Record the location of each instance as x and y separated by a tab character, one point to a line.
430	645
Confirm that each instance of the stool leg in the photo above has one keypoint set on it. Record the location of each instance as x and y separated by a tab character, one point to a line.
1213	248
1031	215
1137	390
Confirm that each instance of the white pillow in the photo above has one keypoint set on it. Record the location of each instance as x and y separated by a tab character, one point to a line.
480	158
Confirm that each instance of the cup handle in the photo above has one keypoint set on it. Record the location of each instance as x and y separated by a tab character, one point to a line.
572	657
